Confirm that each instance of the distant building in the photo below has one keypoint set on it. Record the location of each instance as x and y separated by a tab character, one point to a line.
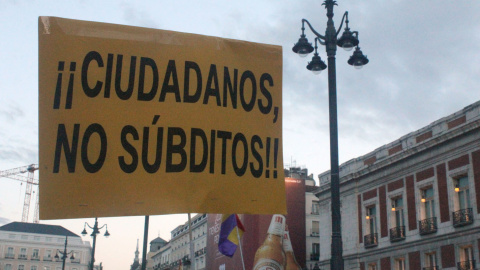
157	244
154	255
136	261
312	224
159	259
175	254
180	243
413	203
33	246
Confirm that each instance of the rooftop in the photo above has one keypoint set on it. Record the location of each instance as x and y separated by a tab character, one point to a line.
441	130
158	240
37	228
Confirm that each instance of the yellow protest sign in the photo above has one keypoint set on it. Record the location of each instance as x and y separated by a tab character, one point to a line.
138	121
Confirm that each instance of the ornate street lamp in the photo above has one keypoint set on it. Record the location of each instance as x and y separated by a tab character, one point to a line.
348	41
96	230
64	254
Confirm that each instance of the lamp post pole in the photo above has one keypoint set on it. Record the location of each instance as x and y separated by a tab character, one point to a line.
96	230
347	41
94	235
64	254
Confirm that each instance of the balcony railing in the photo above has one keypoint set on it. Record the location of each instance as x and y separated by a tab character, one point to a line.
371	240
75	260
22	257
466	265
314	256
199	252
35	258
186	260
431	268
428	226
164	266
314	232
397	233
47	258
9	256
462	217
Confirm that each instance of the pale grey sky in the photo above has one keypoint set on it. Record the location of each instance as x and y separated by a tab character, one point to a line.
424	65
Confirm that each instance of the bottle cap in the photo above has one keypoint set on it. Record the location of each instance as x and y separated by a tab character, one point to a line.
277	225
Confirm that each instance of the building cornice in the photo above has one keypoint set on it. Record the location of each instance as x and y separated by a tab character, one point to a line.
414	143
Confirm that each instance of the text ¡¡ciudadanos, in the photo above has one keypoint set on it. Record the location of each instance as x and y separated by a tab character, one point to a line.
241	90
139	121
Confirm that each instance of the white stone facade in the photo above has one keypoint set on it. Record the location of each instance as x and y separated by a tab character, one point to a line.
312	215
312	225
159	259
36	251
177	251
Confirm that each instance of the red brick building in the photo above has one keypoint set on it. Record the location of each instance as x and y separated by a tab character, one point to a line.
413	203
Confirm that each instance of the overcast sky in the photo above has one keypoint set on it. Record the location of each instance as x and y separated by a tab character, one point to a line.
424	65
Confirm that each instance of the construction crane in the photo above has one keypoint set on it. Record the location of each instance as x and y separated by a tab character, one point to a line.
16	175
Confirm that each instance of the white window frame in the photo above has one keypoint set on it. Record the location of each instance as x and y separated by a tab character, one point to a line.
315	208
35	253
316	248
399	263
431	259
23	253
10	251
466	253
372	266
315	228
400	210
428	203
371	219
462	190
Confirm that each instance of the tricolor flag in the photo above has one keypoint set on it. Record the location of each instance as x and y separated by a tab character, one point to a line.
229	235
